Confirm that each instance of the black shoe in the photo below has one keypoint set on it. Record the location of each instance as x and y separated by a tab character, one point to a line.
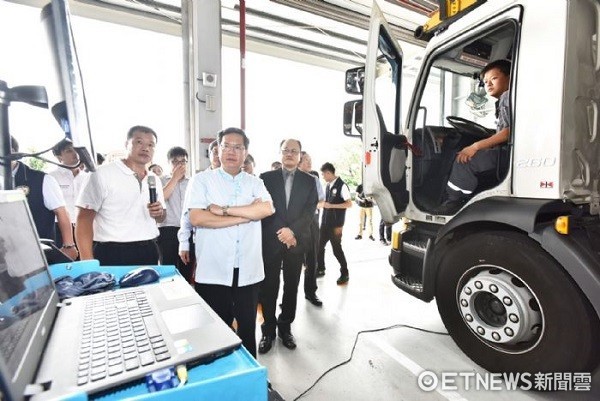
358	237
288	340
343	279
265	344
371	238
320	272
314	299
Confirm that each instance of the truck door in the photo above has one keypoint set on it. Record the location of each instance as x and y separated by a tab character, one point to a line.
384	147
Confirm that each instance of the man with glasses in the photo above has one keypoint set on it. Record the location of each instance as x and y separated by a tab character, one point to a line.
286	237
226	206
174	187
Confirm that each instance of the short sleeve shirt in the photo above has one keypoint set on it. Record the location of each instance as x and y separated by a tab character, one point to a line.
174	203
503	112
120	201
70	186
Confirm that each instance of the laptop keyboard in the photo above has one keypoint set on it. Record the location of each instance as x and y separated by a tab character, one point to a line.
120	334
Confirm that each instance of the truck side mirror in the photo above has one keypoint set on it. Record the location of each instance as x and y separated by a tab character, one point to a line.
353	118
355	80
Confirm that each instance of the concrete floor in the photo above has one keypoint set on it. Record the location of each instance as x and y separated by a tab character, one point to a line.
386	364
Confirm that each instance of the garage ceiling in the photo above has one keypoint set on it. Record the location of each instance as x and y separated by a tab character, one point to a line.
327	32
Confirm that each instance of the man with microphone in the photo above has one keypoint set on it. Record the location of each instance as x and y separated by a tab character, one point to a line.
120	206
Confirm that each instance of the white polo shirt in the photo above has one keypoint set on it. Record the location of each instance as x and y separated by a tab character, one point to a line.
71	186
220	250
53	198
120	202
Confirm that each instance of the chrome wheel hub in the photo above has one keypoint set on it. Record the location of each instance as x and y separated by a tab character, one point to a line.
499	308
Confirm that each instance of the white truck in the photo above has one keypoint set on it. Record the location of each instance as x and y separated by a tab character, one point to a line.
516	271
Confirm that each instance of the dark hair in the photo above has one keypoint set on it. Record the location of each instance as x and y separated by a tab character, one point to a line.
14	144
249	159
213	145
291	139
328	167
302	154
276	164
99	158
150	167
502	65
142	129
62	145
232	130
176	151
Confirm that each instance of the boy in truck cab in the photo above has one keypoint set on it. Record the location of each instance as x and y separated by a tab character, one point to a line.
483	155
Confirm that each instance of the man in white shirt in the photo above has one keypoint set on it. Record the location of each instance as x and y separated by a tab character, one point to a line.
46	203
71	179
186	233
226	206
117	222
174	188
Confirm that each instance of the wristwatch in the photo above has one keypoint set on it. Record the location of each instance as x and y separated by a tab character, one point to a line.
224	210
68	246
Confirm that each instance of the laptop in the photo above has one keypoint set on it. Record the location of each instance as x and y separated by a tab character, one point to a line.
50	349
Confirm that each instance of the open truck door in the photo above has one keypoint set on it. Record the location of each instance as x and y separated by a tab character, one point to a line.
384	147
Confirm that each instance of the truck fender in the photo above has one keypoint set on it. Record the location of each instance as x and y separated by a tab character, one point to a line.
514	212
574	251
576	254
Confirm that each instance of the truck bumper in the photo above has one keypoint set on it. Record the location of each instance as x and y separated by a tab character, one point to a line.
408	258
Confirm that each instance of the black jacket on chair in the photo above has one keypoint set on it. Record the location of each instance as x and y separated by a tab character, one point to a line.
298	215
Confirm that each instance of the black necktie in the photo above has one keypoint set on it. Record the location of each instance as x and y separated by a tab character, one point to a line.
327	191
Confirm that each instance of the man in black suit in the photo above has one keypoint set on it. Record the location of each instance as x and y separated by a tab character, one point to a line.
285	238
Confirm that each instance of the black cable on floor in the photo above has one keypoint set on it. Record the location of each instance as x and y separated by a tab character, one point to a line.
395	326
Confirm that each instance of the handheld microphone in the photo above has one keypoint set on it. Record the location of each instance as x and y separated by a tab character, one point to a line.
152	188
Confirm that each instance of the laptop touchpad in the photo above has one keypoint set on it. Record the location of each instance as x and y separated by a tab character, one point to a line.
186	318
176	289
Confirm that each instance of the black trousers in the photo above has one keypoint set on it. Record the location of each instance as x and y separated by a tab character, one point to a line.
310	259
168	247
231	302
333	235
385	231
126	253
58	235
291	264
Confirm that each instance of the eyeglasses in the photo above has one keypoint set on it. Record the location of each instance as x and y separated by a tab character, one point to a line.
179	161
234	148
287	151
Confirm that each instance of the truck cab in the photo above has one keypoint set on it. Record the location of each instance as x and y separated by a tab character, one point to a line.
515	270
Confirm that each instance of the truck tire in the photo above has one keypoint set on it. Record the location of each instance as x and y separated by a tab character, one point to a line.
510	307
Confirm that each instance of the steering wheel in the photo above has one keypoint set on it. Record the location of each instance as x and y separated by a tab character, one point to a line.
469	127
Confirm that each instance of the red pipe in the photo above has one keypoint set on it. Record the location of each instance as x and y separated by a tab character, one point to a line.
411	5
243	64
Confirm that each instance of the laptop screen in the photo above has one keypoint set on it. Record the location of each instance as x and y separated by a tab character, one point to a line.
27	296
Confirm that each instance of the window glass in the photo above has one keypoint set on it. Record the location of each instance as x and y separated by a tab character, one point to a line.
453	88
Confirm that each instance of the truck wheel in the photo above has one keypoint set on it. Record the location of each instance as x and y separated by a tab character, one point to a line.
511	308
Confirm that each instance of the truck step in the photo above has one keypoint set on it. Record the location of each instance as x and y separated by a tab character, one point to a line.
408	262
415	247
408	284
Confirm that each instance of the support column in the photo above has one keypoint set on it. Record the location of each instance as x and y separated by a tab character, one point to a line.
201	20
